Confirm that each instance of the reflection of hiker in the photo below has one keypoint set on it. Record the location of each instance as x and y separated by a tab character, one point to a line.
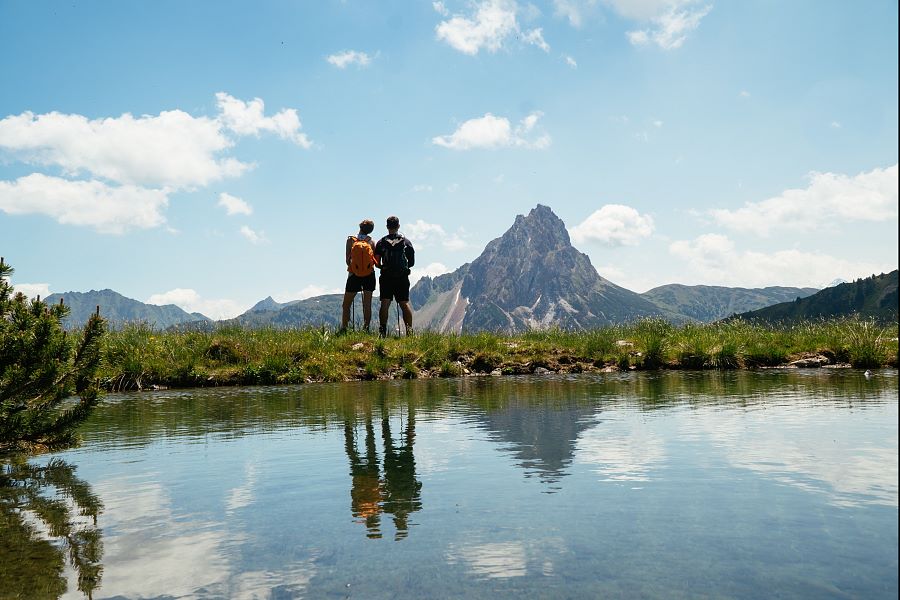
389	488
360	255
365	482
396	256
402	491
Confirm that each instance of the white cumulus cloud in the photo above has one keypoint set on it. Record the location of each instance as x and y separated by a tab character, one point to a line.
254	237
829	197
713	259
491	132
669	21
173	149
32	289
536	38
118	172
424	235
490	25
248	118
342	60
573	10
108	209
493	21
614	225
191	301
234	205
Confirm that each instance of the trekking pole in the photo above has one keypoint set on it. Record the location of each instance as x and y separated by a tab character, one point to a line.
353	314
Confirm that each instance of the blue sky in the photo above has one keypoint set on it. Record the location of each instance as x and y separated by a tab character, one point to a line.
210	154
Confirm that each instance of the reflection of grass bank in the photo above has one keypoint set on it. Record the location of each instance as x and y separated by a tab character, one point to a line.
138	356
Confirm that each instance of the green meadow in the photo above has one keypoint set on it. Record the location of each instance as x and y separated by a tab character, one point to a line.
139	356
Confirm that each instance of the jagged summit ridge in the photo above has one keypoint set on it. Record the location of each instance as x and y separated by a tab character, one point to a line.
530	277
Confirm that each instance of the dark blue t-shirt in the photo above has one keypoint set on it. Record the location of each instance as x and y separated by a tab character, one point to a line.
384	245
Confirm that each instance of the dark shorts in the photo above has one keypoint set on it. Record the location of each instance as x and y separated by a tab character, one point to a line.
356	283
396	288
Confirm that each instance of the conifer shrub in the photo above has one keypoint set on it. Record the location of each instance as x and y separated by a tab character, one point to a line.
48	378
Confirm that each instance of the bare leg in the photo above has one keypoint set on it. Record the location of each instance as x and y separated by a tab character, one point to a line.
407	314
367	308
349	297
383	314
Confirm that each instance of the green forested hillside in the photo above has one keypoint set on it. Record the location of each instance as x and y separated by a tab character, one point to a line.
872	297
708	303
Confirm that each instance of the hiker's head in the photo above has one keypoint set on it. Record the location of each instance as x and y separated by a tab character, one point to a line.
366	226
393	224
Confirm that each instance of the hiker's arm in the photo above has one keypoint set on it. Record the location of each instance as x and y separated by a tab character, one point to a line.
347	247
377	251
410	255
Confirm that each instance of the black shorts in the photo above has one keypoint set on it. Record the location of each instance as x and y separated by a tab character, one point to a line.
355	283
394	287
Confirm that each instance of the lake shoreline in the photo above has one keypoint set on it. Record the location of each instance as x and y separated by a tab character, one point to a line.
213	383
139	357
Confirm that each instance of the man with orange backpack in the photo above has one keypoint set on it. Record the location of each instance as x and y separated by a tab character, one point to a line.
360	255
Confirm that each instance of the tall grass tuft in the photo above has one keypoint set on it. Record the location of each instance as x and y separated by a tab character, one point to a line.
866	343
652	337
693	345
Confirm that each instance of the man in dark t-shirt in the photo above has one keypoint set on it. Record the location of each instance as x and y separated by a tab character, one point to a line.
395	256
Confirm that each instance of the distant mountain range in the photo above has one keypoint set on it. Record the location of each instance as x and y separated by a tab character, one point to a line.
530	277
118	310
709	303
872	297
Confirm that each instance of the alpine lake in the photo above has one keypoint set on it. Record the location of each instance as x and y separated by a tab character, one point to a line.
675	484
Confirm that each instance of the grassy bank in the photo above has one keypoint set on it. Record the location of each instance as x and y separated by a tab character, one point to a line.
138	357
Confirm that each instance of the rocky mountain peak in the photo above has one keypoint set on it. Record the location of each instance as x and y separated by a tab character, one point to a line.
530	277
541	226
266	304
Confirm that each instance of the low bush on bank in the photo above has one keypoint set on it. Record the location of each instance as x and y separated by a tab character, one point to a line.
139	357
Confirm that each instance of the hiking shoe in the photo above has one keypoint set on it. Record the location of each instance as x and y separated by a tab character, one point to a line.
382	331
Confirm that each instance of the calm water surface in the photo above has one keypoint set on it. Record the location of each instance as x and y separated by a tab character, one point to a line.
668	485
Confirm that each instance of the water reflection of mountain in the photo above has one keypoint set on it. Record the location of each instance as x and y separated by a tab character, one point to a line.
541	438
538	421
47	517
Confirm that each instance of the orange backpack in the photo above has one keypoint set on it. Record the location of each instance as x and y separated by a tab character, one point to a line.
362	258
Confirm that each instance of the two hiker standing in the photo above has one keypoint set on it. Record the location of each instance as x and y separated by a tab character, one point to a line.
395	256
